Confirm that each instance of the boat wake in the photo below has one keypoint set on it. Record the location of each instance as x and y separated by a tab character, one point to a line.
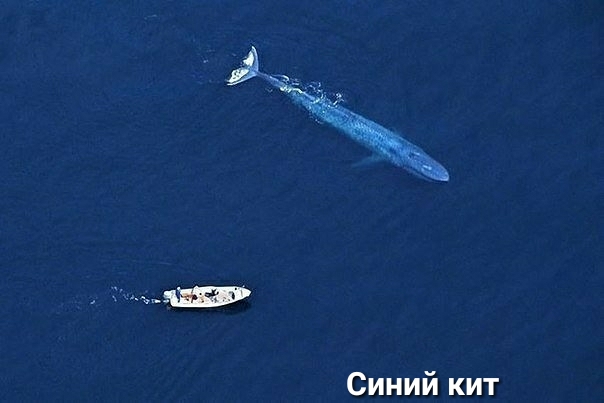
120	294
111	297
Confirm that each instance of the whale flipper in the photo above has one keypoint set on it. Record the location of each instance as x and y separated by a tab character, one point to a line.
370	160
248	69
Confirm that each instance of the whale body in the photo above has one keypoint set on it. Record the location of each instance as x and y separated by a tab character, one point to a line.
385	144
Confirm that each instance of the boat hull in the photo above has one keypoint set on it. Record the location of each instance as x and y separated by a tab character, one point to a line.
205	297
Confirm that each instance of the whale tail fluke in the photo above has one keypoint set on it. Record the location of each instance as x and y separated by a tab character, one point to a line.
248	69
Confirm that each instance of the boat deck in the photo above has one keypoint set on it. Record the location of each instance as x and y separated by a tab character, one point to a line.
205	297
199	297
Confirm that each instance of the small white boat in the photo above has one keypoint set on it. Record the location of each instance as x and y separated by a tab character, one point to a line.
208	296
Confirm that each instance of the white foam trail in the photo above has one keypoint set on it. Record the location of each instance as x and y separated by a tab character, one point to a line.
129	296
91	300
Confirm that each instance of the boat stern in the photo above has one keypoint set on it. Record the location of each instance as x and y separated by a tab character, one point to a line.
167	296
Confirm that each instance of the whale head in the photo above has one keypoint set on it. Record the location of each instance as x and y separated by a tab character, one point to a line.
420	164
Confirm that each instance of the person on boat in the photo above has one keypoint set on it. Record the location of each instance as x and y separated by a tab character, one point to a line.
195	294
178	294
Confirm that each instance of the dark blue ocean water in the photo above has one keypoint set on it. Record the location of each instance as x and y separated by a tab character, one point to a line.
128	167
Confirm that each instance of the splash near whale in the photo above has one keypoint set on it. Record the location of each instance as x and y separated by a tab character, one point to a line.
384	144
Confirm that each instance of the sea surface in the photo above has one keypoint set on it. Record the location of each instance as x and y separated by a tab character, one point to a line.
128	167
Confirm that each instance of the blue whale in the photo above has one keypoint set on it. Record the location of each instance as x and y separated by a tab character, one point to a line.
385	144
